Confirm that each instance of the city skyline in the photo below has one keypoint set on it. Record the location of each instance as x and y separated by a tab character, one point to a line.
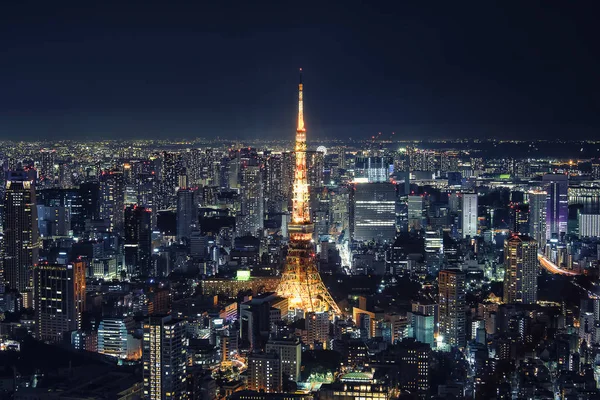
185	244
482	70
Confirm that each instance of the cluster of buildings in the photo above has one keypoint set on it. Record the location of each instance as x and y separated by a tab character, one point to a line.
353	271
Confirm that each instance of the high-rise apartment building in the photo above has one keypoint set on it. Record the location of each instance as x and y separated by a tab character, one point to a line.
537	216
452	302
521	270
317	329
374	212
252	200
112	192
164	359
59	299
21	242
264	372
290	354
557	205
469	215
273	183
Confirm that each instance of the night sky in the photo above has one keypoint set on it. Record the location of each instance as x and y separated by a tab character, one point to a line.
424	69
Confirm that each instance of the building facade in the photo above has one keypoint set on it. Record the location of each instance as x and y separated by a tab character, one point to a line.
521	270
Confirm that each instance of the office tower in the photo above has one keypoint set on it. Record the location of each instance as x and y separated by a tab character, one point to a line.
300	282
187	213
422	327
415	212
21	242
519	218
53	221
86	341
90	198
537	216
164	359
413	361
252	201
469	215
374	216
59	299
290	354
589	225
426	307
557	205
112	193
138	241
66	211
521	269
452	302
317	329
372	169
264	372
115	339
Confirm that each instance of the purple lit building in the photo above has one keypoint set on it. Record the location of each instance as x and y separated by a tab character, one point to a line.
557	206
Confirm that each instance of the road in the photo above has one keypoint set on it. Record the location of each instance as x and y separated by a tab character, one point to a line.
553	268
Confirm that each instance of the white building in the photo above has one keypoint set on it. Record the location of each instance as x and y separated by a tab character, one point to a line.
589	225
469	215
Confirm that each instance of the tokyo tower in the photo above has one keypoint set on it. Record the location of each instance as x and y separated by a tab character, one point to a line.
300	281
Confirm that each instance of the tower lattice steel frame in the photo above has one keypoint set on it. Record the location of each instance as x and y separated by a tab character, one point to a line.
300	281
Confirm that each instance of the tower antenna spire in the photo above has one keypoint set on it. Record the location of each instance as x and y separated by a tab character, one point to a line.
301	130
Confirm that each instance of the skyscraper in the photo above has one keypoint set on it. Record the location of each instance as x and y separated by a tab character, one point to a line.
301	282
521	268
187	213
112	191
164	359
252	204
415	212
374	212
452	302
537	216
557	205
59	299
519	218
138	241
273	184
469	215
21	242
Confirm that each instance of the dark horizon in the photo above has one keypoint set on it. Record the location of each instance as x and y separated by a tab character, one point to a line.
136	71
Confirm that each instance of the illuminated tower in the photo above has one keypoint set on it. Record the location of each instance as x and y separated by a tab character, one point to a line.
300	281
